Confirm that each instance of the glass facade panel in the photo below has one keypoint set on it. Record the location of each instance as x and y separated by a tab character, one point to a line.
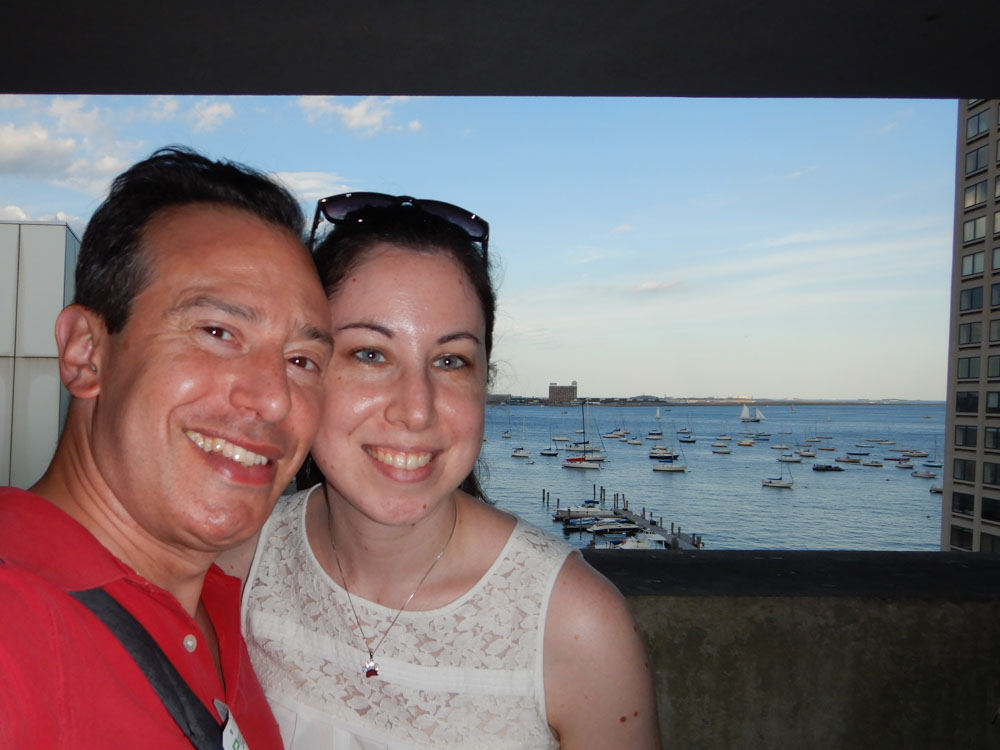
993	402
964	470
972	333
968	367
961	537
991	438
973	262
989	542
971	299
977	159
977	124
991	473
974	229
963	502
965	435
975	195
967	402
991	509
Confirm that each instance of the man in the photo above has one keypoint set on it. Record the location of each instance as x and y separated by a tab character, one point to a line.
194	354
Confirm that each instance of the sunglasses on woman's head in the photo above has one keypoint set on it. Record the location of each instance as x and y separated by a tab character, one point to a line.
337	208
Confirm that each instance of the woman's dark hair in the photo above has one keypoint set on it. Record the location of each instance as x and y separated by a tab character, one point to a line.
347	245
113	266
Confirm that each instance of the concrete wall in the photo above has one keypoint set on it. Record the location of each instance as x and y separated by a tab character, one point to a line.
818	649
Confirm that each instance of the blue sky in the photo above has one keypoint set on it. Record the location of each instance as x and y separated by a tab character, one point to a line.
674	247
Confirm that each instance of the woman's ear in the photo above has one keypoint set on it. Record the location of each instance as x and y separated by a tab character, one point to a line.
80	335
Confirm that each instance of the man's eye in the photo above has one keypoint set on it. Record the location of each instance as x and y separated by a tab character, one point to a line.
304	362
450	362
218	332
372	356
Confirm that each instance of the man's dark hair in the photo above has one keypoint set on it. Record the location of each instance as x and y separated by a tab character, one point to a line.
112	267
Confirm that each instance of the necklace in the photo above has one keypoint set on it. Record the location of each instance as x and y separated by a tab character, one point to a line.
370	668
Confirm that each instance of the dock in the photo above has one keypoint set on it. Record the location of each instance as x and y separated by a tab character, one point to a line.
674	538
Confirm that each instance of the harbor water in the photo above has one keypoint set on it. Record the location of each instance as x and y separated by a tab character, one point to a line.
721	497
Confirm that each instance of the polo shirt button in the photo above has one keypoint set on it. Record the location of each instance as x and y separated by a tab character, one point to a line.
190	643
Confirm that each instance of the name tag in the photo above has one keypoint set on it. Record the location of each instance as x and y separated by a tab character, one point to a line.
232	738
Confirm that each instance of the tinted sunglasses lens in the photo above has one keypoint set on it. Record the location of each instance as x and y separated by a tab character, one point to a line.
474	226
339	206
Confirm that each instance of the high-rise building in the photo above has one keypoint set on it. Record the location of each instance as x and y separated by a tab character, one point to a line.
970	508
562	394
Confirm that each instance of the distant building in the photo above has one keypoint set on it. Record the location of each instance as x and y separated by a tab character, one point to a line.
562	394
970	507
37	262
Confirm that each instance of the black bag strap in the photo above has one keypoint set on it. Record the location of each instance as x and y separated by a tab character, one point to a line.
191	715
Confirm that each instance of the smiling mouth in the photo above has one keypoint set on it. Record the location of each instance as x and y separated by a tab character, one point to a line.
237	453
398	459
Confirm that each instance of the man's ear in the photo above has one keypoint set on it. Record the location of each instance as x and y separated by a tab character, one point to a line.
80	337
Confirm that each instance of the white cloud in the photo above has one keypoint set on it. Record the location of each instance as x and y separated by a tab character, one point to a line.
656	286
12	101
14	213
71	117
32	151
623	228
371	114
208	115
91	177
795	174
163	108
311	186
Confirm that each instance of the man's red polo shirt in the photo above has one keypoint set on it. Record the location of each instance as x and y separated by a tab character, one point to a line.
66	681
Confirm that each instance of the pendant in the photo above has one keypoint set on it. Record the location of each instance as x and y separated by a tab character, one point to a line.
370	669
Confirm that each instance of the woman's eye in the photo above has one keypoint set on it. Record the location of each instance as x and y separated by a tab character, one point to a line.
218	332
304	362
372	356
450	362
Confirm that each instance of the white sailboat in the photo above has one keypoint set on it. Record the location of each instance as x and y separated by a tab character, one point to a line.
581	462
780	482
746	416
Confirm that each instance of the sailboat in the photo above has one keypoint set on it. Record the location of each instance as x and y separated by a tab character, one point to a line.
746	416
506	433
657	413
780	482
581	462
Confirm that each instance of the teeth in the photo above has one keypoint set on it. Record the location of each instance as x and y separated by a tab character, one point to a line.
408	461
232	451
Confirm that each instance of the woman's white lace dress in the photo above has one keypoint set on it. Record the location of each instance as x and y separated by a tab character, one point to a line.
467	675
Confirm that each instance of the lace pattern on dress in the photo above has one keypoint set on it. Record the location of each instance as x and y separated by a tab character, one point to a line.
465	675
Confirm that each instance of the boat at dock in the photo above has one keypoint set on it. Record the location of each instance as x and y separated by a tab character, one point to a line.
827	467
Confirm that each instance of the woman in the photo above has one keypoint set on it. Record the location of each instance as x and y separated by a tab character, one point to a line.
389	606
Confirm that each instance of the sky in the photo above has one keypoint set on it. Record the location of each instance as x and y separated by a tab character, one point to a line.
756	248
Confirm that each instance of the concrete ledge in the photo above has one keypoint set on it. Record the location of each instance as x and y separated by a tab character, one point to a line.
818	649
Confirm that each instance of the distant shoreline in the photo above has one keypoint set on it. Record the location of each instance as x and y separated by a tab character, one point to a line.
500	399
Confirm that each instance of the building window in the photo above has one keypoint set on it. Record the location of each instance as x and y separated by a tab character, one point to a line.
972	333
991	509
995	295
993	367
995	330
996	188
963	502
964	470
996	222
991	438
977	159
974	229
977	125
961	537
996	258
973	262
968	367
991	473
989	542
971	299
975	195
974	102
967	402
965	436
993	402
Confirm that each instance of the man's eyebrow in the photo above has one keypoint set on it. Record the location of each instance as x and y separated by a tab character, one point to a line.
210	300
249	314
